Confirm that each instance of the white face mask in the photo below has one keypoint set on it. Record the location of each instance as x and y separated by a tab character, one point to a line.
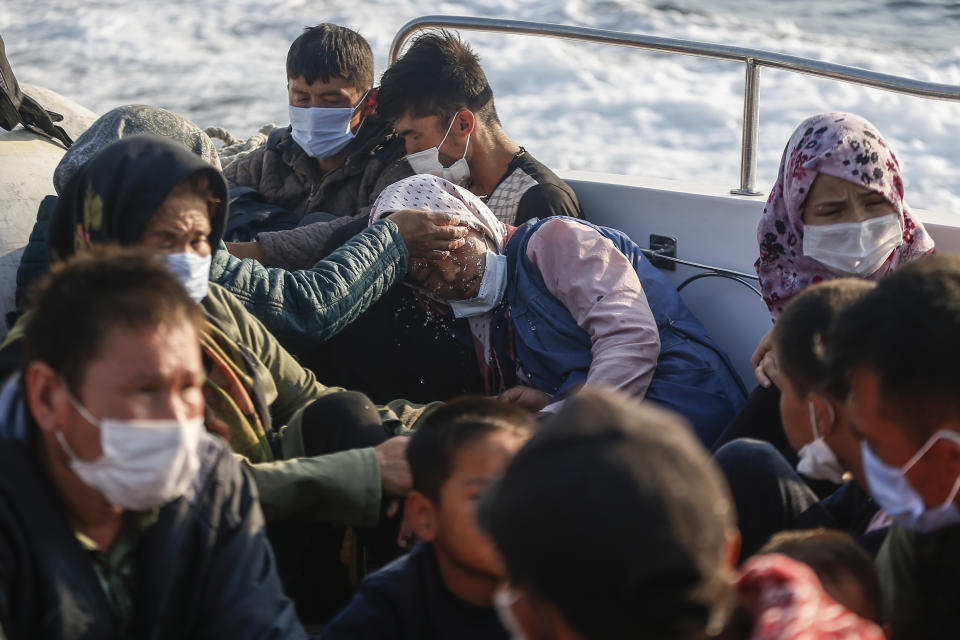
145	463
503	601
891	489
192	271
322	132
853	248
428	161
492	286
817	459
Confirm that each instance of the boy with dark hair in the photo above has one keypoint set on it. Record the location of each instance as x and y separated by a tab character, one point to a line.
120	516
845	570
335	156
438	99
894	355
444	587
770	494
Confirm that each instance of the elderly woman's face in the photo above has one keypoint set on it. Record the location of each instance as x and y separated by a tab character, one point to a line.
180	225
456	277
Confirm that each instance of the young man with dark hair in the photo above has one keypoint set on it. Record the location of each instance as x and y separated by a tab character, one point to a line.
335	156
894	354
438	99
120	516
771	495
444	587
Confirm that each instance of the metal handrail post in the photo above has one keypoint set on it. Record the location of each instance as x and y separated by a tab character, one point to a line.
751	125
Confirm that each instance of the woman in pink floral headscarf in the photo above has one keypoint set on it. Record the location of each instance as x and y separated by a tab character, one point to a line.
836	210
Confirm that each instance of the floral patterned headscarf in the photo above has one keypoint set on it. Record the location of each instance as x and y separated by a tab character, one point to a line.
845	146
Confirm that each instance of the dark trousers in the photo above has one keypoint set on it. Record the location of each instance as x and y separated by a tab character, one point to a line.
309	553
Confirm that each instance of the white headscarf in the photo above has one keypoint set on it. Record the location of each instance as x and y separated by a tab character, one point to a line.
425	192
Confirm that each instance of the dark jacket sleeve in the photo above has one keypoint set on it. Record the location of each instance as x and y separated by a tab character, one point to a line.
306	307
545	200
35	260
303	247
369	615
244	599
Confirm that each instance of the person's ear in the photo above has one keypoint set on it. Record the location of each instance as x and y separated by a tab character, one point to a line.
731	556
466	122
45	395
421	515
822	413
369	102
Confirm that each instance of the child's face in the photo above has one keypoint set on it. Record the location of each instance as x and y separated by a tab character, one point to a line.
474	468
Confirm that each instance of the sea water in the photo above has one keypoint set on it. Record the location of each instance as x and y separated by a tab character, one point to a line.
572	105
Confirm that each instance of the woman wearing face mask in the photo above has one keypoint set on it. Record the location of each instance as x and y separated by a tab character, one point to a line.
559	303
339	461
836	210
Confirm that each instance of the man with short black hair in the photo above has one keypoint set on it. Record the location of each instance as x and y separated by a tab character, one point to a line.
438	99
120	516
335	156
894	353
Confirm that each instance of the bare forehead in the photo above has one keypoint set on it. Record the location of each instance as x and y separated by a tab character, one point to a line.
828	184
183	211
331	86
407	124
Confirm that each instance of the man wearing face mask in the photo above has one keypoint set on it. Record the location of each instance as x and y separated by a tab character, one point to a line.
335	156
120	516
773	496
903	405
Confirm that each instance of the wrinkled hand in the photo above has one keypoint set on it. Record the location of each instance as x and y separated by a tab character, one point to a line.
764	363
394	470
430	235
245	250
529	398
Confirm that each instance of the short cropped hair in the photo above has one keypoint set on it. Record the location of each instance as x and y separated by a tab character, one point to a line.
331	51
448	430
832	555
83	299
437	76
799	332
615	514
907	331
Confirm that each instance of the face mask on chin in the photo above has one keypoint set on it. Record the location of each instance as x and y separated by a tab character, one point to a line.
817	459
891	489
853	248
145	463
428	161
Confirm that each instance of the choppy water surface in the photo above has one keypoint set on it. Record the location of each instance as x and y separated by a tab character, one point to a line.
574	106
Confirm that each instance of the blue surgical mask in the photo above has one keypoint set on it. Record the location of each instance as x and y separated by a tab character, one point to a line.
322	132
192	271
892	490
492	286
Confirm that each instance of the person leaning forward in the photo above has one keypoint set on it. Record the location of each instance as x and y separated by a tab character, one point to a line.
120	515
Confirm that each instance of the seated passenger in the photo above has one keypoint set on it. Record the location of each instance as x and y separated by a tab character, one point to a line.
844	569
613	522
317	454
770	495
903	404
336	154
120	517
444	587
836	210
558	303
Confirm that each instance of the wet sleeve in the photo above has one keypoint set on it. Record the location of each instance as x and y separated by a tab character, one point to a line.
307	307
599	286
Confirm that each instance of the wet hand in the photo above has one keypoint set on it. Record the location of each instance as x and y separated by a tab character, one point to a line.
394	471
527	397
430	235
764	363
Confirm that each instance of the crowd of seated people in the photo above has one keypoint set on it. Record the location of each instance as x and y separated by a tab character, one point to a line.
428	399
